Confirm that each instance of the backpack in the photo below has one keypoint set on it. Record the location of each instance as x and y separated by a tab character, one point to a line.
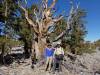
59	57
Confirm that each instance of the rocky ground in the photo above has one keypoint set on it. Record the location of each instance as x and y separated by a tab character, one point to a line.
25	69
86	64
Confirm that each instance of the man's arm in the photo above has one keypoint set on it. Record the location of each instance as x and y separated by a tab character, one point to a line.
62	51
54	53
45	53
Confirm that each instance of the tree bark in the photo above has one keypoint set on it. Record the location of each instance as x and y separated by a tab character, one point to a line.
39	45
26	49
2	53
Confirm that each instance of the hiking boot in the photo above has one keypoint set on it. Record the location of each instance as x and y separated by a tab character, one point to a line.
46	70
53	72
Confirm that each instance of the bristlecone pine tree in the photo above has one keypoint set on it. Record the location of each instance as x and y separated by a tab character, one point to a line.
43	19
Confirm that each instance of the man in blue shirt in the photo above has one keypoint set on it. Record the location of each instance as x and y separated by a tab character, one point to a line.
49	57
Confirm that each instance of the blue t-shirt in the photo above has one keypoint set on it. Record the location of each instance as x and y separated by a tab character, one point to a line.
49	52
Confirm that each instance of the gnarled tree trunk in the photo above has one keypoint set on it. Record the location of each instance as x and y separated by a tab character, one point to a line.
39	45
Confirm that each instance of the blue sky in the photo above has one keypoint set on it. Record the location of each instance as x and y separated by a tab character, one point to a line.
92	8
93	18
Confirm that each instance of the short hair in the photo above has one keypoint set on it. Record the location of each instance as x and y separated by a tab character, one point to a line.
49	45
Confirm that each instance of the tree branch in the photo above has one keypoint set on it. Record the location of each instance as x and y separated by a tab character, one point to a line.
51	23
53	4
48	25
46	1
28	19
69	20
56	20
37	19
46	4
38	22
